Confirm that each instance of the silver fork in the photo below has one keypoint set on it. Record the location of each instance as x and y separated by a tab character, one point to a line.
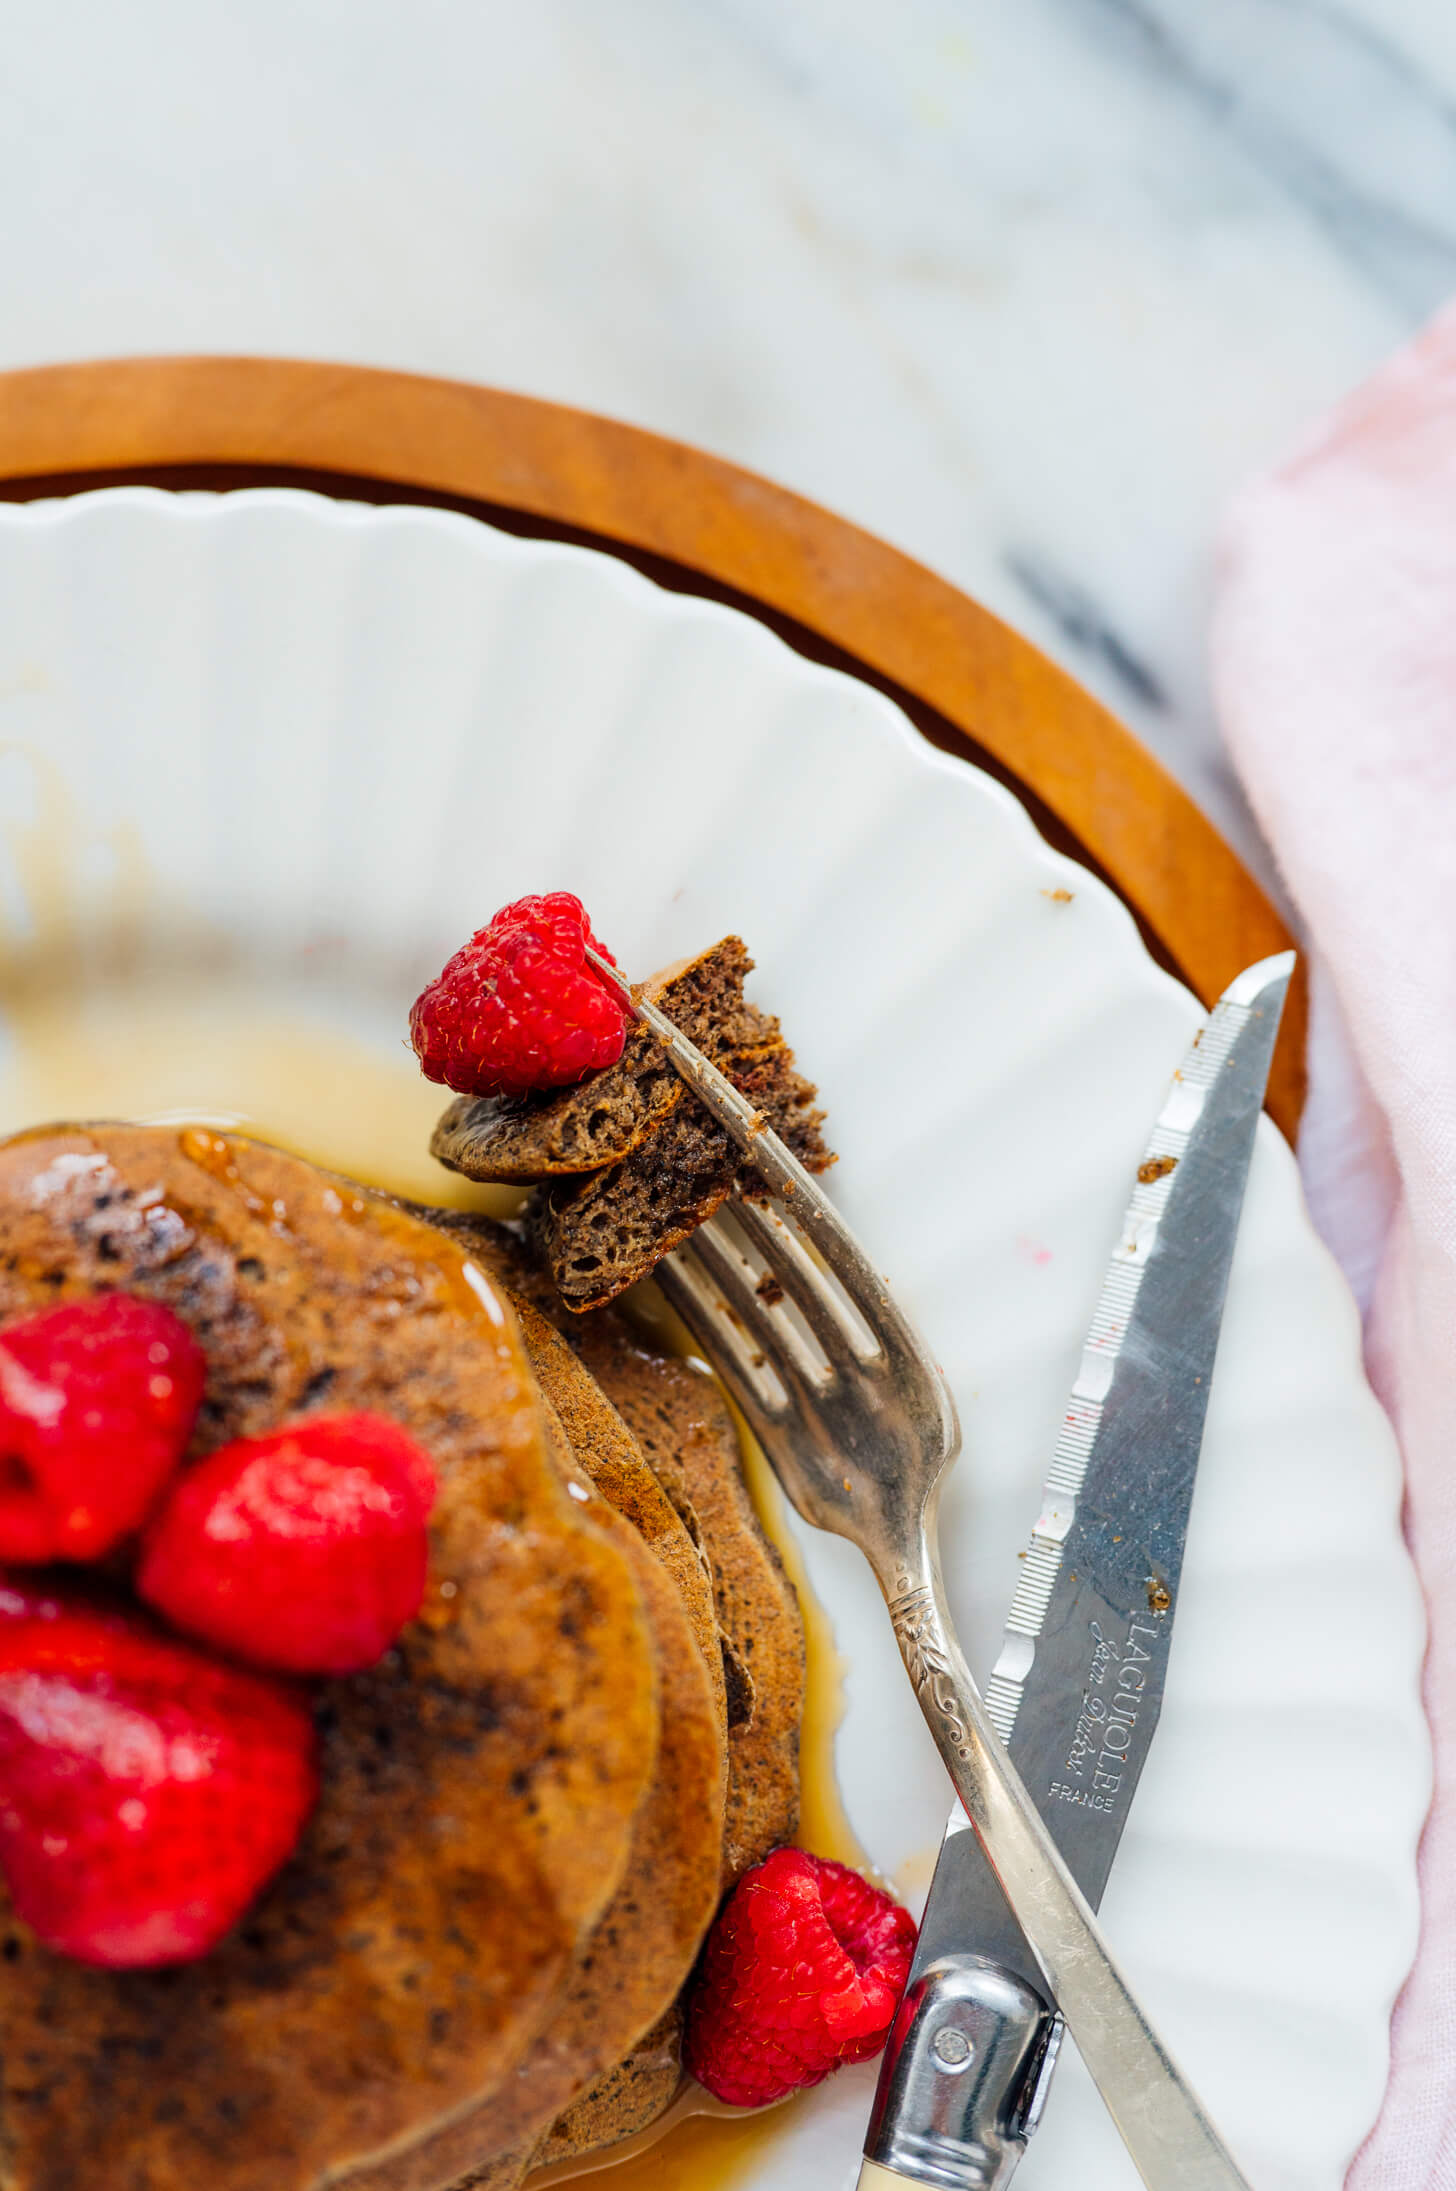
859	1426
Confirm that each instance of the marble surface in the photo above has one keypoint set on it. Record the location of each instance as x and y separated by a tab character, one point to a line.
1026	286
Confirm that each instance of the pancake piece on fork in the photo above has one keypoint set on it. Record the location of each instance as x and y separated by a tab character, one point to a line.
627	1162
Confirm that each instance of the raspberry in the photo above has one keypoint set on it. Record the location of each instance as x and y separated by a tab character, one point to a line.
147	1793
518	1007
304	1550
802	1971
97	1402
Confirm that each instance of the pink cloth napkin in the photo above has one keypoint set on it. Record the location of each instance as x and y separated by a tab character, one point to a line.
1335	673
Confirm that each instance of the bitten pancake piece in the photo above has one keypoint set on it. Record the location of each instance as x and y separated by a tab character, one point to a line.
629	1163
637	1958
599	1235
480	1787
603	1119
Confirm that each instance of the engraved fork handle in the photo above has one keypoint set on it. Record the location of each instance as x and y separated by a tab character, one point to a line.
1171	2140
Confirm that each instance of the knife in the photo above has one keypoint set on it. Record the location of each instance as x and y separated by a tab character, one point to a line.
1078	1684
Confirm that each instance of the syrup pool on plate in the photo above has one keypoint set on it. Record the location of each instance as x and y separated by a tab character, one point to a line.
212	1052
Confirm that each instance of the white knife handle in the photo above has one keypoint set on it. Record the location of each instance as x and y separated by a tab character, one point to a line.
1168	2135
874	2178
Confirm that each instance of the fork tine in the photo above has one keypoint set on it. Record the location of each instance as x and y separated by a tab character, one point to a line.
751	1381
823	1304
794	1353
727	1278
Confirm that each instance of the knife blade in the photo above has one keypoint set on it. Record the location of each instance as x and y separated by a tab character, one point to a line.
1078	1684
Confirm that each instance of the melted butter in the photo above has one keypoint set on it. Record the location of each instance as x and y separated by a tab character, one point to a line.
207	1057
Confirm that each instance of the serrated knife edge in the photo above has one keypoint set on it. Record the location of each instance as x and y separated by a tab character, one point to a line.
1122	1282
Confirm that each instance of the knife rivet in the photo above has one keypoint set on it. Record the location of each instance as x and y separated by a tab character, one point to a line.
951	2048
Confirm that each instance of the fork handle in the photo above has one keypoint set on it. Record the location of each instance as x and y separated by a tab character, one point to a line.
1169	2137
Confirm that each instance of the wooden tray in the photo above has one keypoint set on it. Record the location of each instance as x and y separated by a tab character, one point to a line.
696	524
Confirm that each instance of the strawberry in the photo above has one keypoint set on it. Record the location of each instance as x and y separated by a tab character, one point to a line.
802	1971
304	1550
97	1402
147	1792
518	1007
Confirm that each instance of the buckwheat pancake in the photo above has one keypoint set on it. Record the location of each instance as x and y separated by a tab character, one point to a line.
633	1964
599	1234
678	1420
683	1426
480	1788
610	1457
634	2094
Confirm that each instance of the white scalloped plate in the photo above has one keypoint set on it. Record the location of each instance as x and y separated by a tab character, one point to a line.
308	746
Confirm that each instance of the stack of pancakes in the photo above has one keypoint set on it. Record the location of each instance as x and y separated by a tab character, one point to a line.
472	1963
